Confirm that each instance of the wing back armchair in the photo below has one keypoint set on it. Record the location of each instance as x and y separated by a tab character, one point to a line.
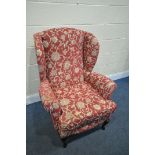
77	98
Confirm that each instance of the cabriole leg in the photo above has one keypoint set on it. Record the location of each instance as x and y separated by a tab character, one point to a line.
105	123
64	141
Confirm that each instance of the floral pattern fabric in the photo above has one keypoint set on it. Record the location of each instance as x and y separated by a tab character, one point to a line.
64	56
81	105
77	98
103	84
40	56
90	50
48	97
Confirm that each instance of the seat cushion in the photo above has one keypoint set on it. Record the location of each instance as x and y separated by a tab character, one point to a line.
81	105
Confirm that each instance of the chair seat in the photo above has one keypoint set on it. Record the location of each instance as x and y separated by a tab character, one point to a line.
81	105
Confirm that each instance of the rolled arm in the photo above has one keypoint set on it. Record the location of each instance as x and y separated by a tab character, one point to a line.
48	98
104	85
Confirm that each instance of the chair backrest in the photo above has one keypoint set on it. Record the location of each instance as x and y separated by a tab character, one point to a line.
63	54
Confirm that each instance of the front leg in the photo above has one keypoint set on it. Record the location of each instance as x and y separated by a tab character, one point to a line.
105	123
64	141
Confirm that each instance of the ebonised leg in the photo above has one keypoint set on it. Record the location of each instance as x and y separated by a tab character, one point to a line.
105	123
103	127
64	144
64	141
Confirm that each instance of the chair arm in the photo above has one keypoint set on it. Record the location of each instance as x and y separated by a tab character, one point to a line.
48	98
104	85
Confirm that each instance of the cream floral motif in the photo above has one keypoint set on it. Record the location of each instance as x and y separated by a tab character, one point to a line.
68	77
75	61
65	32
54	39
89	59
109	85
59	91
87	100
60	73
73	42
103	101
46	98
64	102
69	115
94	53
76	70
63	37
45	44
67	65
54	72
64	48
49	66
97	107
38	52
80	105
94	41
77	113
98	84
81	116
63	84
55	56
63	125
89	113
55	105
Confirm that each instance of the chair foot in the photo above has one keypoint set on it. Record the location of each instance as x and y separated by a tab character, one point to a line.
104	124
103	127
64	143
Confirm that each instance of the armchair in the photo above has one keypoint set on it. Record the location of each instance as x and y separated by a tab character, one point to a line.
77	98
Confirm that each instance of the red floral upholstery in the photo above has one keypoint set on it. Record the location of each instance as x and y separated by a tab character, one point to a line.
77	98
81	105
101	83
